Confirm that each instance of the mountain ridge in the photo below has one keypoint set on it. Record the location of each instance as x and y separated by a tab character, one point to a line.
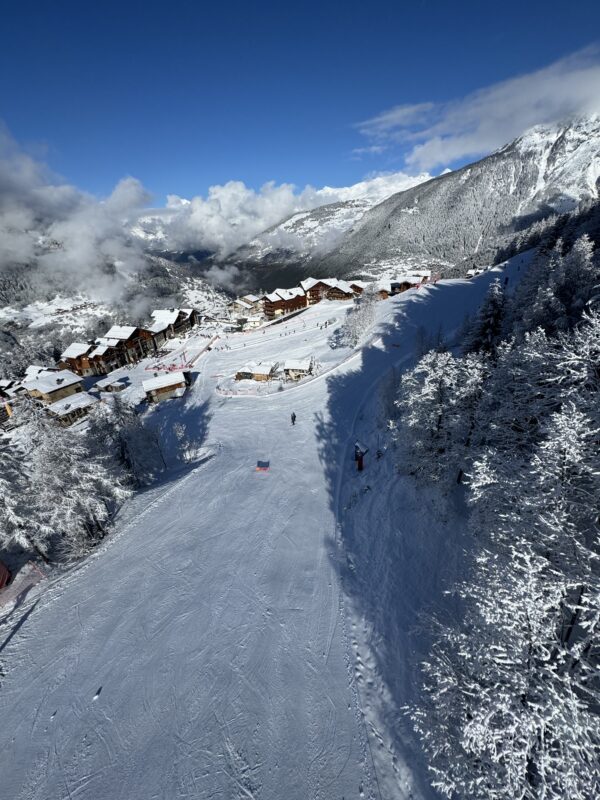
461	216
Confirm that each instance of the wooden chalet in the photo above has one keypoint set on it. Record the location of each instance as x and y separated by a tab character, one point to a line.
284	301
106	356
255	302
316	289
339	290
257	371
76	358
50	386
134	343
72	409
187	318
162	326
405	282
293	299
240	308
111	384
296	369
274	305
163	387
357	287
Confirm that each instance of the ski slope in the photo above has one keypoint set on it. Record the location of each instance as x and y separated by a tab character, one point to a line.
206	649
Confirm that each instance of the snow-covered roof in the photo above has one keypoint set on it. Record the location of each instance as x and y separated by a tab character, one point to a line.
68	404
273	297
76	350
99	350
260	367
157	326
333	283
106	342
110	381
48	382
343	286
360	284
290	294
164	317
120	332
33	370
416	279
162	381
299	364
250	298
240	302
308	283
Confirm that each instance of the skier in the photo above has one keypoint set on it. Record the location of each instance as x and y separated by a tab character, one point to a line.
293	417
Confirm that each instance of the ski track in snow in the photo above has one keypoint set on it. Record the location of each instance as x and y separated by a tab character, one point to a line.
206	650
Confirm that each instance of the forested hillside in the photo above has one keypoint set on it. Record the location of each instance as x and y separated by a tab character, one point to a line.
511	419
468	214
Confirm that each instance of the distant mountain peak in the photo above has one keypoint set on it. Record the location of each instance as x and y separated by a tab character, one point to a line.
460	215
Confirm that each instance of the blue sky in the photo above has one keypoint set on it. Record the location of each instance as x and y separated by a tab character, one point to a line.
184	95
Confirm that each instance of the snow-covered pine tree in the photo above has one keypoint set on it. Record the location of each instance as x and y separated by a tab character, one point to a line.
580	273
358	320
17	526
71	490
540	274
436	404
502	718
512	696
486	330
129	439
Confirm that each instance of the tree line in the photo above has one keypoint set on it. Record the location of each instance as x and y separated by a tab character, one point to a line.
509	705
60	488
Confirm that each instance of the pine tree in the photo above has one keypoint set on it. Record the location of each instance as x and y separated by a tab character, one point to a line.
487	328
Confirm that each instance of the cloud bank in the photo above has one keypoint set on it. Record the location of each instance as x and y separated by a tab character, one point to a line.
78	241
232	215
72	238
437	134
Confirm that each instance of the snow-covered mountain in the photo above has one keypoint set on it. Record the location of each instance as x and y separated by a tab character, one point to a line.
231	216
313	232
470	212
465	214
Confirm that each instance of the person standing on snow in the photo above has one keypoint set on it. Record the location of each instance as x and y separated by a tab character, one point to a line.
293	418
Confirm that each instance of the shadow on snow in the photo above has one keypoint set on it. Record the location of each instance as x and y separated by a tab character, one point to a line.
392	552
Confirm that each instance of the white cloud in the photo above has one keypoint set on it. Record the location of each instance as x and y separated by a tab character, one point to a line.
78	240
434	135
233	214
69	234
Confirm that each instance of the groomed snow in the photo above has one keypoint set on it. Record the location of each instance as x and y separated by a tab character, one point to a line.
206	649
